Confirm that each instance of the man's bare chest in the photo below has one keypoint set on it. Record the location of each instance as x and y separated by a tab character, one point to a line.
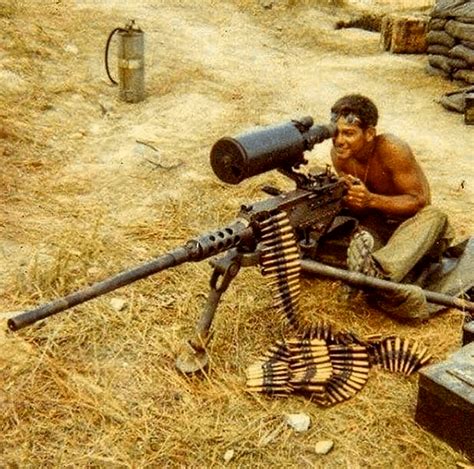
375	177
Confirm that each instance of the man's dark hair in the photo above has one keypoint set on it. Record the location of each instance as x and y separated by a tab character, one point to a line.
359	106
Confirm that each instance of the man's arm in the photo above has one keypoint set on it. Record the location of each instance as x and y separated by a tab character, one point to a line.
407	190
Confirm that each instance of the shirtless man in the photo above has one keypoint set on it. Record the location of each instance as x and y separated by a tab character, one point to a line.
390	196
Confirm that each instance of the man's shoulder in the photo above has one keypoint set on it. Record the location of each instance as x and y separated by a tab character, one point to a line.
390	140
390	146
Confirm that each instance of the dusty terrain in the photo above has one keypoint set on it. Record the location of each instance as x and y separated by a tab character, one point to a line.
81	198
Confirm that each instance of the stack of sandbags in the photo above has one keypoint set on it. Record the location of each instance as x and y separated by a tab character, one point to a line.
450	40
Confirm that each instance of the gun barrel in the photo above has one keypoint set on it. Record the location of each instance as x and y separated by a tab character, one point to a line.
360	280
176	257
194	250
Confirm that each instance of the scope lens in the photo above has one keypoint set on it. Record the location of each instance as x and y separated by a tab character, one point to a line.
228	160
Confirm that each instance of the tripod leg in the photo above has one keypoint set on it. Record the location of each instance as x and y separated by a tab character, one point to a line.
194	357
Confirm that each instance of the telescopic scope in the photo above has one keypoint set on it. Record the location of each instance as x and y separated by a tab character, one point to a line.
234	159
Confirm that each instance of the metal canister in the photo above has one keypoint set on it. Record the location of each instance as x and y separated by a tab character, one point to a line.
131	66
131	63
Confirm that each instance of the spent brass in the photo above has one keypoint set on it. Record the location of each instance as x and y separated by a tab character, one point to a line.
397	353
411	357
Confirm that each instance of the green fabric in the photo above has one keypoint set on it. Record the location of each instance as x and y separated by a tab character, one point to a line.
428	232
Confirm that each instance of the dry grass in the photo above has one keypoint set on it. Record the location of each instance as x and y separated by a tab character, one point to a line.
94	387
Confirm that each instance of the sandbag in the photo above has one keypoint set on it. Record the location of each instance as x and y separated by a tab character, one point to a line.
454	102
455	275
463	11
445	8
468	44
460	30
464	53
436	72
436	49
465	19
456	64
441	38
465	75
437	24
440	61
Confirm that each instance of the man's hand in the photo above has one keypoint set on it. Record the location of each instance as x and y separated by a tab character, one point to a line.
358	196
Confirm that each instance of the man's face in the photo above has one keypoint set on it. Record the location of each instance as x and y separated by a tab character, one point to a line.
350	139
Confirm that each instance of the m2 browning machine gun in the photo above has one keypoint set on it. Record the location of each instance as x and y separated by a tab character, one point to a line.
275	233
309	210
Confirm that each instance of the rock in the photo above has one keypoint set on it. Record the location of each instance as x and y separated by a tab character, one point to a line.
299	422
228	455
71	48
11	82
366	21
267	4
118	304
324	446
94	271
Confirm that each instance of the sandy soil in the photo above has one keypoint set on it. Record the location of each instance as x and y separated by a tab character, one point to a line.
82	198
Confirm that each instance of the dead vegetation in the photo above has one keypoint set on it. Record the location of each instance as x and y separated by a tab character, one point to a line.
79	200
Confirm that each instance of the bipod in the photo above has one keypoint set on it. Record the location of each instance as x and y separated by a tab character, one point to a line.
194	357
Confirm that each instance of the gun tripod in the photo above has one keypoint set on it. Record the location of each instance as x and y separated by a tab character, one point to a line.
278	255
194	356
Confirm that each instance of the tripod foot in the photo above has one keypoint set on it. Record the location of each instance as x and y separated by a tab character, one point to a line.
192	360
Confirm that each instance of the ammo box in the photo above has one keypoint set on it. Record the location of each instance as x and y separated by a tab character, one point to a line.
446	400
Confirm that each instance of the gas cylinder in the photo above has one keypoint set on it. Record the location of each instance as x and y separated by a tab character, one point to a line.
130	62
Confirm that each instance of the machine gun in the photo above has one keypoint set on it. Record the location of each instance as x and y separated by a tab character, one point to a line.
309	208
275	233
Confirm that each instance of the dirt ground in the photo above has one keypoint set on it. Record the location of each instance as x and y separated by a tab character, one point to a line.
91	185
